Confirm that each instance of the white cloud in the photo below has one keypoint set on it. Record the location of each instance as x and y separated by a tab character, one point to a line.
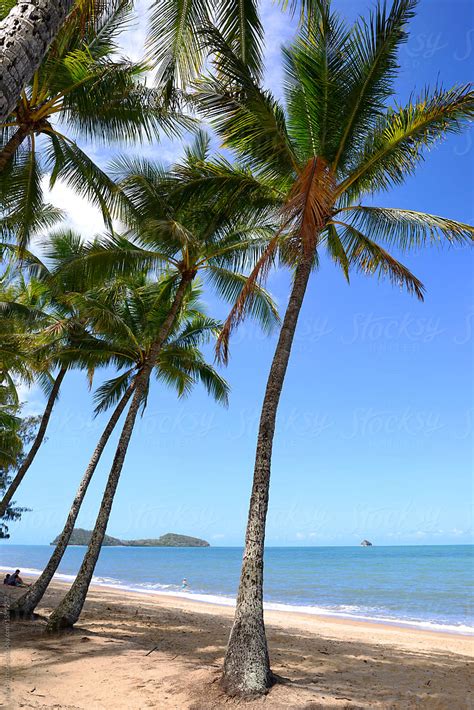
133	40
80	214
31	398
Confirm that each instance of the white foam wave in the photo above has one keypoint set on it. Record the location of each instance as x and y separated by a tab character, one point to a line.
344	611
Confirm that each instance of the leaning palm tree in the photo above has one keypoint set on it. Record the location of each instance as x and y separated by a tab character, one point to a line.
82	88
51	322
171	229
336	140
135	324
122	327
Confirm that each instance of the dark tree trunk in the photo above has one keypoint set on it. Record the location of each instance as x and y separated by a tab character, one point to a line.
12	146
26	605
25	35
36	443
246	665
69	609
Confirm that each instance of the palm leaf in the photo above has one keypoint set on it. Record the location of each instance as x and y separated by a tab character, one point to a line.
407	229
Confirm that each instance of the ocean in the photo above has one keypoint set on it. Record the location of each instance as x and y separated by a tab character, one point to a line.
429	587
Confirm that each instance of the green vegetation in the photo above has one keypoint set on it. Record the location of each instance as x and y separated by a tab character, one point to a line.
80	536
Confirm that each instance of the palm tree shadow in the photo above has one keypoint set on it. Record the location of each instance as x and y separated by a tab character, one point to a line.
309	668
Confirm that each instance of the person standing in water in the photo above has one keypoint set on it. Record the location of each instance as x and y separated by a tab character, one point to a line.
184	584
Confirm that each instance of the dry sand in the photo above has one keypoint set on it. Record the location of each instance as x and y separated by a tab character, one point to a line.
141	651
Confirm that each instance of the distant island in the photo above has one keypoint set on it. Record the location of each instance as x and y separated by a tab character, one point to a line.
82	537
366	543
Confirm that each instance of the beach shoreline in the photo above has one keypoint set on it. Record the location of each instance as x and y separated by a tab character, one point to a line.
270	607
133	650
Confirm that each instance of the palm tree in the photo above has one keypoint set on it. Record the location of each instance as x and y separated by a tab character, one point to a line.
135	324
10	446
167	228
121	322
18	362
28	29
48	310
82	88
336	140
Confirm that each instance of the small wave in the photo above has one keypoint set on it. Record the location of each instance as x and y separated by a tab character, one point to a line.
343	611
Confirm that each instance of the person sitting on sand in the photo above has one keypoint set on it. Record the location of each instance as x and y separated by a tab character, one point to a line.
6	578
15	580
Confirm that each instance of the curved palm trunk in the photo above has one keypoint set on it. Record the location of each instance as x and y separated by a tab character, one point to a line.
69	609
247	665
12	146
25	35
26	605
36	443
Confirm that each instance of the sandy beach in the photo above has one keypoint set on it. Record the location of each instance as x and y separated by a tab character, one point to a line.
150	651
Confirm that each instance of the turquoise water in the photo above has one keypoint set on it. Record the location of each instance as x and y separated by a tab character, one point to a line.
425	586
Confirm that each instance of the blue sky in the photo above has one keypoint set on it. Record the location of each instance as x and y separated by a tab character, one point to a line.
375	430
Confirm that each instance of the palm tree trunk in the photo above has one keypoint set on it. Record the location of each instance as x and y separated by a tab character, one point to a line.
26	604
12	146
69	609
25	35
36	443
247	665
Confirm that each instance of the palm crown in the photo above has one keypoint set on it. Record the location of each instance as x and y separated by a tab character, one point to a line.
335	141
82	88
170	231
127	313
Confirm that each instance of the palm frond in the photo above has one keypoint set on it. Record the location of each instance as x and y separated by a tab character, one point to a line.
316	84
369	258
397	144
112	391
250	120
408	229
371	71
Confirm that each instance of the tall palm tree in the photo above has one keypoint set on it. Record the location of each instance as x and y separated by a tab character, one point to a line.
135	323
122	322
53	323
19	363
336	140
170	229
10	446
82	88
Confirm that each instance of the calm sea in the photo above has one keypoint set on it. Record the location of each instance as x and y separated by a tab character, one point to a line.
424	586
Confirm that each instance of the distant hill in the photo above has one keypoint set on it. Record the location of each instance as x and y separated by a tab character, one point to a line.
81	537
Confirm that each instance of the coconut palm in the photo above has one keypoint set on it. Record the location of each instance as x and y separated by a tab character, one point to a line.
82	88
122	325
27	31
336	140
47	309
133	323
187	239
10	447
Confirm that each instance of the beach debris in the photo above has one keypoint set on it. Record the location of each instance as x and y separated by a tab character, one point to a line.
153	649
